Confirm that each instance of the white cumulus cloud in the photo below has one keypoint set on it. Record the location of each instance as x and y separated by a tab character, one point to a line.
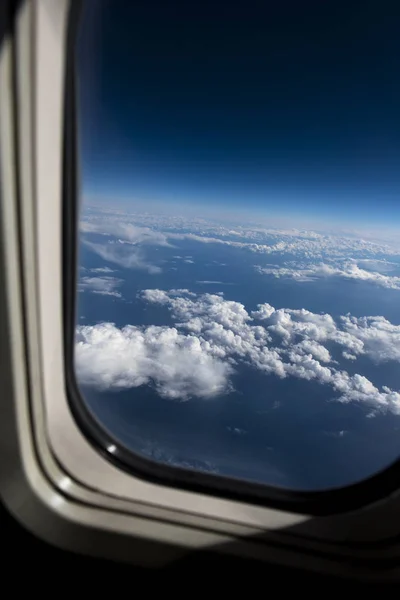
179	366
212	336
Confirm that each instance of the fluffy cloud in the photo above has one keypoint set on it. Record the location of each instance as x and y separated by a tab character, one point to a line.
178	365
212	336
379	339
346	270
100	285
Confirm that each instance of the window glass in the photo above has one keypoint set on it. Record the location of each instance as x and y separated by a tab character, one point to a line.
238	301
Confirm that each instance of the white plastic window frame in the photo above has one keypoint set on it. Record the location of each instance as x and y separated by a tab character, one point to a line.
51	478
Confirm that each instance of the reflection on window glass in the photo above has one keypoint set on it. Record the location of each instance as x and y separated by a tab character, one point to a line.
239	278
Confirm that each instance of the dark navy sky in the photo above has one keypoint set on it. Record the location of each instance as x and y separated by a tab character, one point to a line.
276	106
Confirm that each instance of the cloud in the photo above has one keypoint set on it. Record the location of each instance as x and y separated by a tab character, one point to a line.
170	456
210	282
347	270
307	245
100	285
379	339
124	255
236	430
381	266
212	336
160	229
349	356
125	231
127	250
102	270
177	365
347	255
91	227
336	434
156	296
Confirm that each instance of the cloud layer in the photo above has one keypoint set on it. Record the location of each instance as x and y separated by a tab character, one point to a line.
303	255
164	230
212	336
346	270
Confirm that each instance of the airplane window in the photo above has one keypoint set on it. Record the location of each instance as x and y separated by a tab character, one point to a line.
238	281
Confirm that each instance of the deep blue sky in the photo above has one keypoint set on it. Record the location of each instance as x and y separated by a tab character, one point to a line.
275	106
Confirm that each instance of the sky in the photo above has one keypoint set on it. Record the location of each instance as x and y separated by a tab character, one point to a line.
268	107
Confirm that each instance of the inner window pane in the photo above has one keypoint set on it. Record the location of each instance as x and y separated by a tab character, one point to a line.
239	253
